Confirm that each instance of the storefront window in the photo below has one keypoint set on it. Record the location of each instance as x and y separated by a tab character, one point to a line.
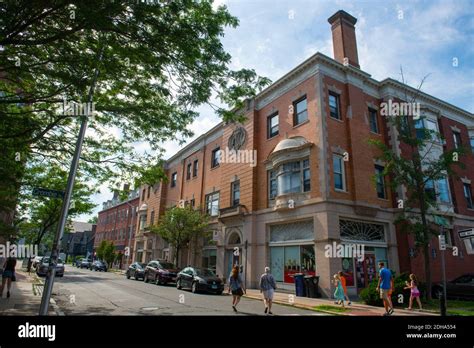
348	271
286	261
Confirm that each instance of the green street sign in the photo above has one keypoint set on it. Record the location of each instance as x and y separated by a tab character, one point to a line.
37	191
439	220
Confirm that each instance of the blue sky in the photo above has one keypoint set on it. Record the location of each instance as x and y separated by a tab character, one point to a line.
424	37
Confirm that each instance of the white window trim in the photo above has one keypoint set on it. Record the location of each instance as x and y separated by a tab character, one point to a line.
343	167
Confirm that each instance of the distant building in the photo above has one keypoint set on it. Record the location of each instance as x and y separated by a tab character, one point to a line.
80	240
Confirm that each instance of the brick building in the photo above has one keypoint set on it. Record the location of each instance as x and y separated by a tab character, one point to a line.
311	183
117	223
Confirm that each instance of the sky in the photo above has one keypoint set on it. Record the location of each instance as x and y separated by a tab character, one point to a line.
433	38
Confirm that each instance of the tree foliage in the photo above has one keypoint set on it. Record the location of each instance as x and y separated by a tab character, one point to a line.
180	226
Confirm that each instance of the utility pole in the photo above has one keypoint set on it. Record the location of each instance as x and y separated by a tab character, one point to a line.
48	284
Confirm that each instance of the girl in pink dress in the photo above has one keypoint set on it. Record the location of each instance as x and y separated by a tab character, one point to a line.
414	292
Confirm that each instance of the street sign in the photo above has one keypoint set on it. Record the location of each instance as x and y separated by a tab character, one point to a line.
466	233
37	191
442	242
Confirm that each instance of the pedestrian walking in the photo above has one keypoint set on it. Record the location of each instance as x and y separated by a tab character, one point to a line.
339	292
8	275
267	288
414	292
2	262
236	285
344	286
384	287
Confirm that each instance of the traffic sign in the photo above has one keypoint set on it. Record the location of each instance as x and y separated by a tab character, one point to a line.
466	233
37	191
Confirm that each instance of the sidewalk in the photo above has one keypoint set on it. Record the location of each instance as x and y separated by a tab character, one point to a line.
356	309
25	296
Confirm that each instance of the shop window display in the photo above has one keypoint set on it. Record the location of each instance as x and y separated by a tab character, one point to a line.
286	261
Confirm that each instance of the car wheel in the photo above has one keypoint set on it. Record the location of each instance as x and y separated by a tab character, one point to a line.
194	288
178	284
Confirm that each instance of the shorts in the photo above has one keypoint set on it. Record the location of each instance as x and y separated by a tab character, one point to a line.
268	294
384	294
415	294
239	292
7	274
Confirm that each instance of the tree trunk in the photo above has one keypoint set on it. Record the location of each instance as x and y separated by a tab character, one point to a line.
426	255
426	243
176	257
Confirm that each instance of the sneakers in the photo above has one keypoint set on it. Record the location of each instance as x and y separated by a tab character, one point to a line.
266	310
270	313
235	309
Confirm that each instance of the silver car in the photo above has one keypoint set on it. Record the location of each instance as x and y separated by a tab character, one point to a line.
42	268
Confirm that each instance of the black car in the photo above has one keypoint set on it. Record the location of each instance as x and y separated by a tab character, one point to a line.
461	288
160	272
200	279
98	265
136	270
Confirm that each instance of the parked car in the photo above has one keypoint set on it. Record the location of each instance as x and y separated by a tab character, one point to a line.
37	261
462	288
161	272
200	279
42	269
85	263
136	270
98	265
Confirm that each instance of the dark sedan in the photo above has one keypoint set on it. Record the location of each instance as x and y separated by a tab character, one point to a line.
136	270
460	288
98	266
200	279
160	272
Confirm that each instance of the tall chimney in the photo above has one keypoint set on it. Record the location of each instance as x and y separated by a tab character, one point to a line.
343	38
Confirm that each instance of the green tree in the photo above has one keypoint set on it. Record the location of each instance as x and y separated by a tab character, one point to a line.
180	226
100	251
158	62
109	254
93	220
417	170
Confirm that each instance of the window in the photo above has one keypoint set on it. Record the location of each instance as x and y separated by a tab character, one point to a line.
148	193
339	175
174	178
212	204
235	189
334	109
430	189
152	217
188	171
471	141
468	195
195	168
443	191
272	184
289	178
457	140
449	236
374	127
306	176
300	111
216	157
380	180
272	125
432	126
143	194
420	132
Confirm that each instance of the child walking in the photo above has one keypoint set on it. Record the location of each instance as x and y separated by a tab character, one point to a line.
414	292
339	293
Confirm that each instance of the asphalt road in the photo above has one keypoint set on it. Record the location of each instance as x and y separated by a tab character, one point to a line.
84	292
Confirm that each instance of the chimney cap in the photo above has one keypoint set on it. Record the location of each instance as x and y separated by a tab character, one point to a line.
341	14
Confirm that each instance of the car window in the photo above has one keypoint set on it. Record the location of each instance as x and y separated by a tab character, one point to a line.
205	273
166	265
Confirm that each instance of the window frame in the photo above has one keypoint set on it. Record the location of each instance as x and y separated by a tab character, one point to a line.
343	173
373	112
234	201
378	171
270	133
296	113
188	171
338	105
467	189
215	158
457	141
207	200
195	168
174	179
271	177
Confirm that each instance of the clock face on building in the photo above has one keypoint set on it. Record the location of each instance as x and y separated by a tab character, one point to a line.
237	139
